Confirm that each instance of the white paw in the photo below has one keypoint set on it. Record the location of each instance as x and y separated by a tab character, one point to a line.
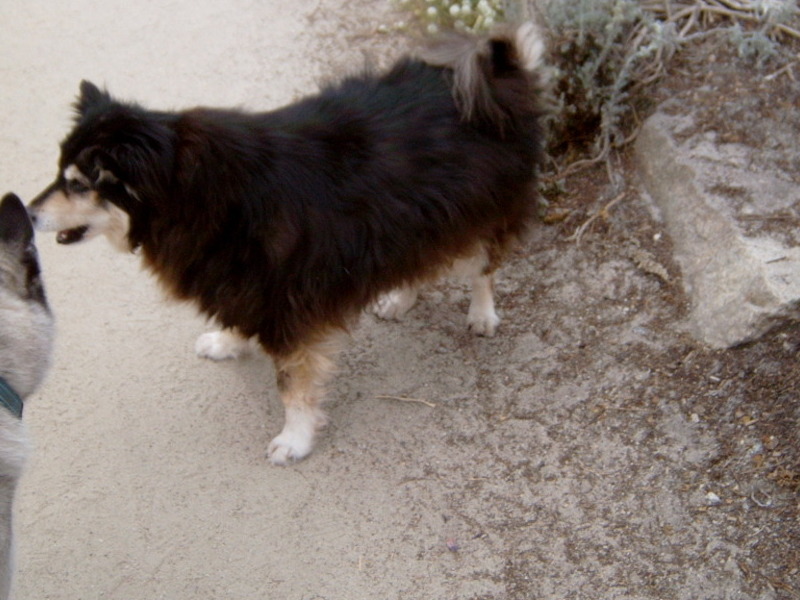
395	304
220	345
288	447
297	438
483	322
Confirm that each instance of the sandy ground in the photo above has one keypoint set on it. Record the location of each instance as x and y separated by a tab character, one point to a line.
148	478
582	453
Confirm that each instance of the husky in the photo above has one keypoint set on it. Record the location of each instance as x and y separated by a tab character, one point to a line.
26	337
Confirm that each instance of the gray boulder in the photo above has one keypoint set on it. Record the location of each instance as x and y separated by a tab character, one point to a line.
733	212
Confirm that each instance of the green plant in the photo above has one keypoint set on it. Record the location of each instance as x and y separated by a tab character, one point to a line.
459	15
606	52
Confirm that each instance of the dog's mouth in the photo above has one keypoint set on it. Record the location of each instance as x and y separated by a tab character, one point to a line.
71	236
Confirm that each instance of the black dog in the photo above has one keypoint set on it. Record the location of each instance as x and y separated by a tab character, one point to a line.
285	225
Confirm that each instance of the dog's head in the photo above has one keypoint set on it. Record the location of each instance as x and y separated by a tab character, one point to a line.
116	157
19	263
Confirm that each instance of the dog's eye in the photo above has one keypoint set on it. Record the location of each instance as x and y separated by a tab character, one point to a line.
75	186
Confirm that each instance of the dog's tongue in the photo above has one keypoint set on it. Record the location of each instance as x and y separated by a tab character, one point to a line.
70	236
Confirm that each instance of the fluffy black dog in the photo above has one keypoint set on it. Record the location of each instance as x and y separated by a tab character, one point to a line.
285	225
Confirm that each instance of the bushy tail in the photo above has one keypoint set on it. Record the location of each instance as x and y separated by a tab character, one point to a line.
495	77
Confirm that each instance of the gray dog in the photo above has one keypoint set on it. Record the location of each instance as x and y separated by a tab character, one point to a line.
26	335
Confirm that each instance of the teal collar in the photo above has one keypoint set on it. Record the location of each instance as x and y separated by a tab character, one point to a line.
10	399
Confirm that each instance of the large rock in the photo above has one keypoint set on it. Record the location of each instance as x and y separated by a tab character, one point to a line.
732	213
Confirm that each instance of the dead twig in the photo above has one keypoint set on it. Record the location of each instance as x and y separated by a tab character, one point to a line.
736	11
603	212
646	57
788	69
402	399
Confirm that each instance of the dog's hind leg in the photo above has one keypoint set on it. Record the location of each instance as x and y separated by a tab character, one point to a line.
395	304
302	376
481	318
221	345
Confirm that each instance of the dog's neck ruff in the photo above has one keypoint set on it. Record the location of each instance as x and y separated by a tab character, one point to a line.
10	399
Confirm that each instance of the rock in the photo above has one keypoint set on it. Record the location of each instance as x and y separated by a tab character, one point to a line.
734	224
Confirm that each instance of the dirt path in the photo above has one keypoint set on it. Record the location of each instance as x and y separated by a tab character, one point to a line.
591	450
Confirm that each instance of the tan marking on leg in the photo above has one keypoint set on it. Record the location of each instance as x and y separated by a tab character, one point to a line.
302	377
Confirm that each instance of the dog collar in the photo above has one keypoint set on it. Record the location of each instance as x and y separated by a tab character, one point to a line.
10	399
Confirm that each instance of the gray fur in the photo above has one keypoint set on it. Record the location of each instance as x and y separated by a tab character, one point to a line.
26	336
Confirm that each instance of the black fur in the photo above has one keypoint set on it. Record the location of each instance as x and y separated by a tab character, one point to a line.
287	223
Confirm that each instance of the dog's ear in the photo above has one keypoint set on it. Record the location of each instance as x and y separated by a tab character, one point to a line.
143	169
97	165
142	165
90	96
15	224
116	165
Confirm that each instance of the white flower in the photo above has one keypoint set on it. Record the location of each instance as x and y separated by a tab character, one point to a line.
433	28
432	11
455	10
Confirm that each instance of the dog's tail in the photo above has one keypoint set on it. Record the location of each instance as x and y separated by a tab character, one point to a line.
497	77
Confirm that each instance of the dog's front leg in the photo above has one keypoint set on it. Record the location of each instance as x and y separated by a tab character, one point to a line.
395	304
302	376
221	345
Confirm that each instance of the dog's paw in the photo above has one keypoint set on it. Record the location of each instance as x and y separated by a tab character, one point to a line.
220	345
289	447
483	322
297	438
395	304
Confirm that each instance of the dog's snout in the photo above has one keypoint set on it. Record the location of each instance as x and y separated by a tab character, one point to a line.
38	200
